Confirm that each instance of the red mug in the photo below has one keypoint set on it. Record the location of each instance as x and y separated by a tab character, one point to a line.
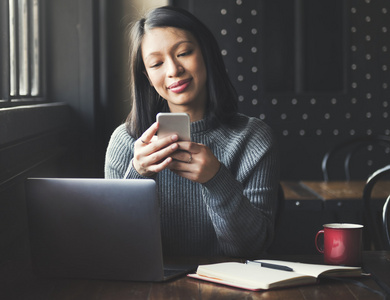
342	244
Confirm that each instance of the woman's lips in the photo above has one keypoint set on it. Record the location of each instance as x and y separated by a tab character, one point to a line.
179	86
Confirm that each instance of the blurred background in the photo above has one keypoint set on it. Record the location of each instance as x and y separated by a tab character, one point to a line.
316	71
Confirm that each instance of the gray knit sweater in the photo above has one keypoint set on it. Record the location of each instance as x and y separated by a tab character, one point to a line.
233	213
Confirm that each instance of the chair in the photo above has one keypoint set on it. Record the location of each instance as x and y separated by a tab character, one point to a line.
349	149
386	220
377	231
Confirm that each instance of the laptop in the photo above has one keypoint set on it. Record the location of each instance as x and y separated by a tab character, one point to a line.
96	229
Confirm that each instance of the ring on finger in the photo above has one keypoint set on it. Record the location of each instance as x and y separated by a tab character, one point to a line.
190	159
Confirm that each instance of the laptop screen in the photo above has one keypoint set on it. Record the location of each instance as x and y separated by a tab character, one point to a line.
95	228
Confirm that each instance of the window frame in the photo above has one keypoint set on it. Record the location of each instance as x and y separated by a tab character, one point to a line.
6	97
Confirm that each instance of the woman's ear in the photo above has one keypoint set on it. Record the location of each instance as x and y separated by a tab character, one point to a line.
147	76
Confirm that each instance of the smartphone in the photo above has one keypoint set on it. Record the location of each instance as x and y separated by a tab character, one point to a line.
174	123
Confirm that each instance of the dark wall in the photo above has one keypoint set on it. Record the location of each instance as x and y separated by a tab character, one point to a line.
35	141
316	71
73	73
57	139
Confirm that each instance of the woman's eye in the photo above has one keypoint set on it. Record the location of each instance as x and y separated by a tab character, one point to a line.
185	53
156	65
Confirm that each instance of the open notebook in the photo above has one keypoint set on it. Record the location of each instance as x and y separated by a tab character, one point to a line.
96	228
254	277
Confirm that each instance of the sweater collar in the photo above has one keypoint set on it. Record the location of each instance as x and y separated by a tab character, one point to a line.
199	126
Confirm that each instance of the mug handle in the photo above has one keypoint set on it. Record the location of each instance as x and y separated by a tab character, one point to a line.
316	241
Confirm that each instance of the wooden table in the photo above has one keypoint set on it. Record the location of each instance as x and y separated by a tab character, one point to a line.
298	196
319	194
18	282
345	194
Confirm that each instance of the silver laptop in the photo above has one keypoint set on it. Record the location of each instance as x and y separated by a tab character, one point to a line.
96	229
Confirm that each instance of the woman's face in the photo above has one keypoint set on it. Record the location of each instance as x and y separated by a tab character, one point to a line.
175	68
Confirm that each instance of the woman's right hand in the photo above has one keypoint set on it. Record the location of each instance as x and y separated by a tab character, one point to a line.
152	155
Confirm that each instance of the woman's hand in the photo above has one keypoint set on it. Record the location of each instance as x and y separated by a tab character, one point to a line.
152	155
195	162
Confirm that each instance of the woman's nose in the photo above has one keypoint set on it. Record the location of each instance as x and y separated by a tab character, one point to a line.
174	68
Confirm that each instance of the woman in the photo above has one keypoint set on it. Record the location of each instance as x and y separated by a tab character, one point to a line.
218	192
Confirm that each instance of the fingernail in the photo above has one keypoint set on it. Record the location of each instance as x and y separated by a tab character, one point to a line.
174	146
174	137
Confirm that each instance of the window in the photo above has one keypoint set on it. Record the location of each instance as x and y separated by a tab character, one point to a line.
21	46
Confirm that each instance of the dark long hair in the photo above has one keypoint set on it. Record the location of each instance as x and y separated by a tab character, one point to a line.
146	102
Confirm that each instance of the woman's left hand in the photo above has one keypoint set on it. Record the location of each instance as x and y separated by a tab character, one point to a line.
195	162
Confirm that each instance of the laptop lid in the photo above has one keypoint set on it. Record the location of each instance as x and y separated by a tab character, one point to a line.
95	228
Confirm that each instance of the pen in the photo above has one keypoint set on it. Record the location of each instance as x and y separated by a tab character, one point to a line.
271	266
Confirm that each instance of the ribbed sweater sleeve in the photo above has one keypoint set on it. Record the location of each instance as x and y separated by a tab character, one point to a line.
242	197
119	155
233	213
242	214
